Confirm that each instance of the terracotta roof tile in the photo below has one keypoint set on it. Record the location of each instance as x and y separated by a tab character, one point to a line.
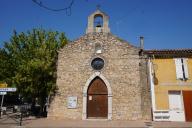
168	52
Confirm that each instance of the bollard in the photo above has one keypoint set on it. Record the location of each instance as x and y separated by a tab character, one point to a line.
0	113
21	116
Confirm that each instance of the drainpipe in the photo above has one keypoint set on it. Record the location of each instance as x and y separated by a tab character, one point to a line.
150	64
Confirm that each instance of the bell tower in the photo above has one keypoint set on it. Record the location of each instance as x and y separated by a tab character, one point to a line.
98	22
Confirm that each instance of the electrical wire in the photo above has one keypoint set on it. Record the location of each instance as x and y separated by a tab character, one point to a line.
67	9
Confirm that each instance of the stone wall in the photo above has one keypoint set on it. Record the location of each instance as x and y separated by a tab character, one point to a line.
145	88
122	70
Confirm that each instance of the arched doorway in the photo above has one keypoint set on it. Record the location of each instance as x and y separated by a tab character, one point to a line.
97	99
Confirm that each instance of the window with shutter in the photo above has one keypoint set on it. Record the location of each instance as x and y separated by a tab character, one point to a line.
181	68
179	72
185	68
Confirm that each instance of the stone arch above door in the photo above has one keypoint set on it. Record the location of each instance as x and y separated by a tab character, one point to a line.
85	89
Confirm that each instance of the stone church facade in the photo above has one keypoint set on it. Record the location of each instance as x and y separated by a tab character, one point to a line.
100	76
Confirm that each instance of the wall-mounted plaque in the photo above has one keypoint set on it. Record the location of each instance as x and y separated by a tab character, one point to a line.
72	102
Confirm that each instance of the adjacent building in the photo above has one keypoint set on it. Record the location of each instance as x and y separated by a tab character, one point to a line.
171	84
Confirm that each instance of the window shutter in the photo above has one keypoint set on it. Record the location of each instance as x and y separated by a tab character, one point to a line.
185	68
179	72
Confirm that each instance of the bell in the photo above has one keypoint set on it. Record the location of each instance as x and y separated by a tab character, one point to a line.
98	25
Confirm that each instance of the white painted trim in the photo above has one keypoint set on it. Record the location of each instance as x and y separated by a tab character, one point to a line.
178	112
161	115
150	66
178	66
183	83
186	69
97	74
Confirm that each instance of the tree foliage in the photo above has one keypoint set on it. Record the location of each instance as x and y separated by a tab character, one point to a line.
28	62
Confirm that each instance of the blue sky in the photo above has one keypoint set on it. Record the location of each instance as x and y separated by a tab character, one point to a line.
165	24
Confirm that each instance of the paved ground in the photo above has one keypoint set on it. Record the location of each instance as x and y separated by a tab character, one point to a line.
47	123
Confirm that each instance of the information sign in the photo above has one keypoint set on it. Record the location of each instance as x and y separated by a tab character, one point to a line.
8	89
72	102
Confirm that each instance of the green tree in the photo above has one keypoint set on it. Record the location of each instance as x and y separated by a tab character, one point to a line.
28	62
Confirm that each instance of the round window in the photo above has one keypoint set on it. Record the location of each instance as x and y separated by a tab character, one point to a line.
97	63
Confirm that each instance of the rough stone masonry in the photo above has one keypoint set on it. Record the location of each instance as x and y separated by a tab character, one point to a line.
124	72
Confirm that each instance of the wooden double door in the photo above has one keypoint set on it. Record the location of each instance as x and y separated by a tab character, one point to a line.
97	99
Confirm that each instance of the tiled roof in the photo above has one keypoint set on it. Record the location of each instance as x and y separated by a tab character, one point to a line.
168	52
165	51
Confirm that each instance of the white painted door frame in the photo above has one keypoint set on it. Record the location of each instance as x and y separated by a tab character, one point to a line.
176	107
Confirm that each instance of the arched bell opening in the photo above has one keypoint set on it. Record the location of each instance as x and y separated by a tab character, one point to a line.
98	23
